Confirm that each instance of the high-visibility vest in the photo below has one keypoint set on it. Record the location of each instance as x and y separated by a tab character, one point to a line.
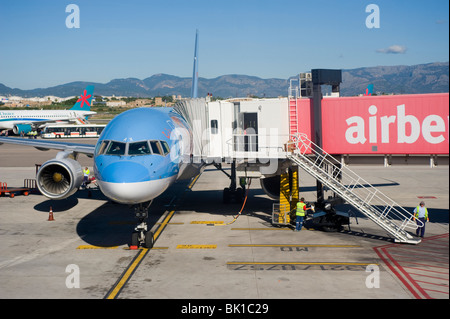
417	212
300	209
86	172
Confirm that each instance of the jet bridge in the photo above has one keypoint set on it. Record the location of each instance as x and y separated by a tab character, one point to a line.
251	131
260	139
249	134
253	135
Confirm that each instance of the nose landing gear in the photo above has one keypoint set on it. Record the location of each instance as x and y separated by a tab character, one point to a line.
141	235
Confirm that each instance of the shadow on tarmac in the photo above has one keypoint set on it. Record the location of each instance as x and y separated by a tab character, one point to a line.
57	205
109	225
112	224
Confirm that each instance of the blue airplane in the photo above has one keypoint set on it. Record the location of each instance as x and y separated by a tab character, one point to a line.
140	153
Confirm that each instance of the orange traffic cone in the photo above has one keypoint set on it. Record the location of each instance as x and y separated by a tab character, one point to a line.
50	215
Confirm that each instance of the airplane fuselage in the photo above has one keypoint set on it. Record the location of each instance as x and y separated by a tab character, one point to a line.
10	118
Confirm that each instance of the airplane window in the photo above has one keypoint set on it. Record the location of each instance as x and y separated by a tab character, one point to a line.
138	148
116	148
101	147
156	148
165	147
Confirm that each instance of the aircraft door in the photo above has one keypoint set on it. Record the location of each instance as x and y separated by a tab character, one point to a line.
215	129
248	124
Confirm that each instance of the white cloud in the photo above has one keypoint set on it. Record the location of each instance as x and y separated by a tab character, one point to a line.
393	49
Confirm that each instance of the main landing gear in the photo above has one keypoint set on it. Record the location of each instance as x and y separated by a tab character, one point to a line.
232	193
141	236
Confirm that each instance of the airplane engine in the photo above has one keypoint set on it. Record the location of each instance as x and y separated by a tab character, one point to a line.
59	178
271	186
21	128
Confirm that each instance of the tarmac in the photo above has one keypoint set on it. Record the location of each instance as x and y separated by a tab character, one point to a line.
203	252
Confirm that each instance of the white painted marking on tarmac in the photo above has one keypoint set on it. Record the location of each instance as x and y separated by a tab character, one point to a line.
37	253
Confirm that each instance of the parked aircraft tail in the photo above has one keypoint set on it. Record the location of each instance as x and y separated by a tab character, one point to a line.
84	102
369	90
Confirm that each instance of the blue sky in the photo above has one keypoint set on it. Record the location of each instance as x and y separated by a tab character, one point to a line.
268	39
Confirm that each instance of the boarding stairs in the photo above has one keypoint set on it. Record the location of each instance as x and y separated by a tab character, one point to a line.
384	212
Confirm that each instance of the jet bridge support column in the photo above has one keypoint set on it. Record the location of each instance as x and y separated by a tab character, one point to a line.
233	176
322	77
317	111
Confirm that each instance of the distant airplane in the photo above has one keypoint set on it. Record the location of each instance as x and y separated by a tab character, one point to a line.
139	154
26	121
369	90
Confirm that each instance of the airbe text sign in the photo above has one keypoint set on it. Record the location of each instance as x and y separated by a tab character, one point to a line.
399	124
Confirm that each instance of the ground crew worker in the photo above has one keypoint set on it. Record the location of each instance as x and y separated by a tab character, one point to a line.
242	182
421	213
86	173
300	213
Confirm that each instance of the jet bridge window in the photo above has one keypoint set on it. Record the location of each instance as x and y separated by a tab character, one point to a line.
214	127
139	148
116	148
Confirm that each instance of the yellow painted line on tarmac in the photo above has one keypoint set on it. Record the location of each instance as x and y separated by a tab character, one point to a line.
289	245
164	224
126	275
301	263
193	181
115	290
95	247
153	248
206	222
196	246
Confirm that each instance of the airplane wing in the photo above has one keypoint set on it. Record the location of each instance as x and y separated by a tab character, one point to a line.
43	123
51	145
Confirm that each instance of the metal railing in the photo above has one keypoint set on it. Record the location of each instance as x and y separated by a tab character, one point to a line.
354	189
255	145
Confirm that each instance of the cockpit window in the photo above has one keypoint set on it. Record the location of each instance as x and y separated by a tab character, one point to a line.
116	148
138	148
165	147
133	148
101	148
156	148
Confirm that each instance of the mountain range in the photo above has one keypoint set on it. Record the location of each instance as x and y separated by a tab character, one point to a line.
422	78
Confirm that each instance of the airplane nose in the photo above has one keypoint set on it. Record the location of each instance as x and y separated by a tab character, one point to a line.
129	183
124	172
